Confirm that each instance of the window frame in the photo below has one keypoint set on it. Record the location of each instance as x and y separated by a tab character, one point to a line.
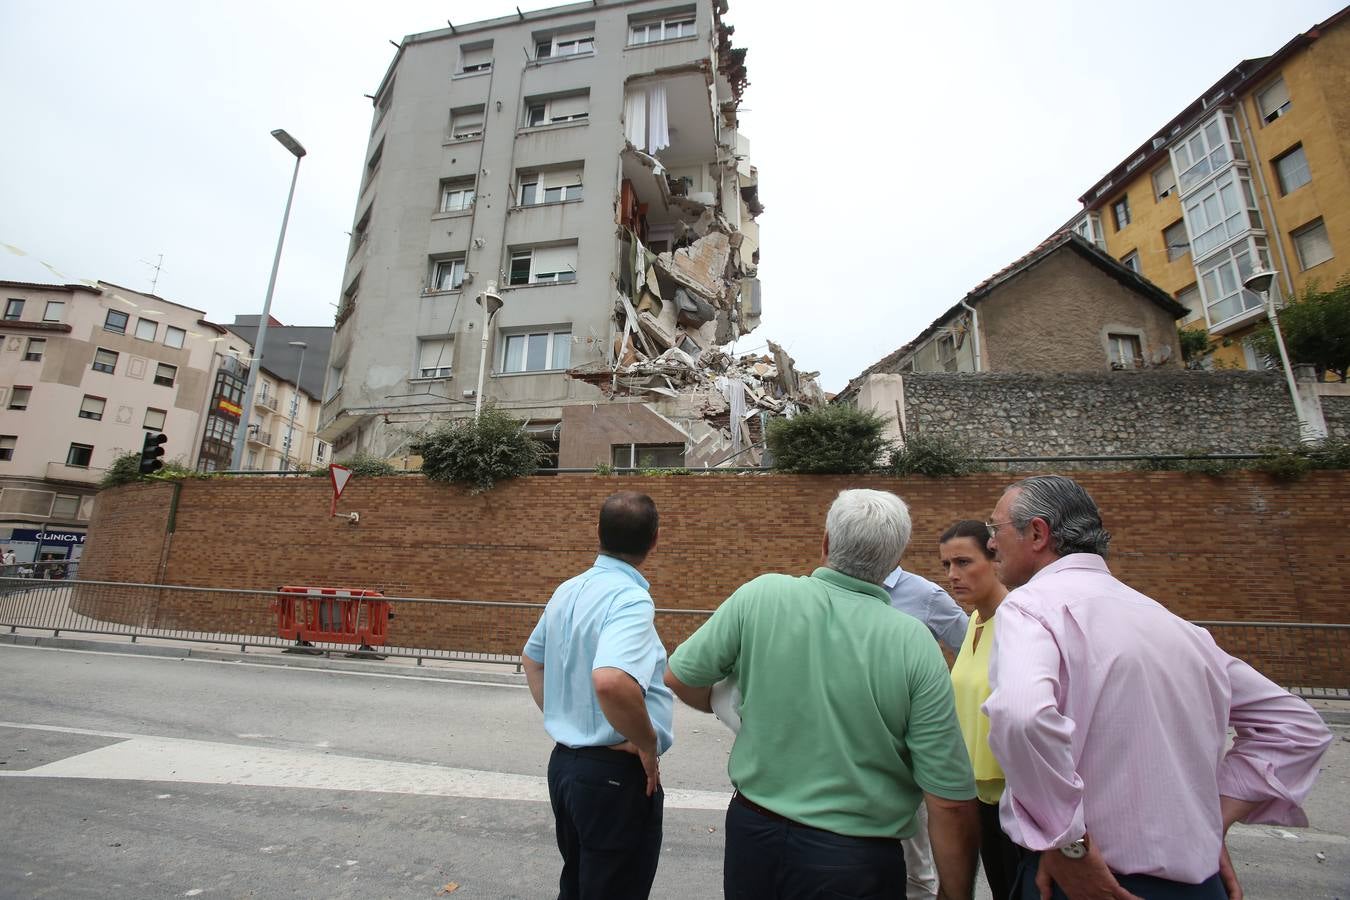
664	21
163	420
557	40
1120	209
1195	310
474	135
1131	261
35	349
89	455
1173	250
563	277
535	180
1117	360
437	371
93	415
552	334
182	336
73	500
13	392
7	452
545	106
60	311
1202	155
1285	188
1203	230
1160	193
111	367
1268	118
160	378
1258	256
108	319
13	312
1302	231
154	329
465	188
455	264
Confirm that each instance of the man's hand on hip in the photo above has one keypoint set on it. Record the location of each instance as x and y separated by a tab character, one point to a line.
1080	879
651	763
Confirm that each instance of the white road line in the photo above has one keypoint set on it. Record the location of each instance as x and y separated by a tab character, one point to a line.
148	758
274	666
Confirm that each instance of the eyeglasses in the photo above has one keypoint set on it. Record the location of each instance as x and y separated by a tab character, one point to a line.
995	526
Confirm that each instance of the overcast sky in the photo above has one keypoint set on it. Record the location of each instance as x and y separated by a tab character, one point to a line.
906	150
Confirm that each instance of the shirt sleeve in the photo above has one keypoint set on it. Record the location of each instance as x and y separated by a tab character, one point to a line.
1279	741
947	620
710	653
1030	736
534	647
937	748
628	638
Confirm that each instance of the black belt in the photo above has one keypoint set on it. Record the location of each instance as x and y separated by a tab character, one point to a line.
604	754
754	807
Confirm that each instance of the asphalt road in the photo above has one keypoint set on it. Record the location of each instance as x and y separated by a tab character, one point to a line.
134	776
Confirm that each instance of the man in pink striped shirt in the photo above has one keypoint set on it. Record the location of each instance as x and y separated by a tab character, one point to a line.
1109	716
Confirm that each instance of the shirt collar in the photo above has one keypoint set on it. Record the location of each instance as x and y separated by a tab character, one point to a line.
1088	561
894	578
614	564
849	583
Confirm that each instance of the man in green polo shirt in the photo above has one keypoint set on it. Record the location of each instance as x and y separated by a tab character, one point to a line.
847	722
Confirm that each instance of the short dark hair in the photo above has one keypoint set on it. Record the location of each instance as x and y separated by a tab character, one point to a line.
973	529
628	523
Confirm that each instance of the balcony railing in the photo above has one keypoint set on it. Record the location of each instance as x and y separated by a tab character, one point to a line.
260	437
266	400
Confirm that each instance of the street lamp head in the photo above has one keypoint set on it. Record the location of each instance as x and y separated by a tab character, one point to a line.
489	300
289	142
301	344
1259	281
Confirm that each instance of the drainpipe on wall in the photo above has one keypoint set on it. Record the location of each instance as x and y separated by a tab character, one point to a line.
974	333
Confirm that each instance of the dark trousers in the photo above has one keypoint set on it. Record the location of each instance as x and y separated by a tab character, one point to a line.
774	859
998	854
1147	887
609	830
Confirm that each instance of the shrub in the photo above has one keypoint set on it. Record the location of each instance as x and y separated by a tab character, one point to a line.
1194	346
364	465
1198	463
832	439
1332	454
934	455
479	453
125	469
1285	465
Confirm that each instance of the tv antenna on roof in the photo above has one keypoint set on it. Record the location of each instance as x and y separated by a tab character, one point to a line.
157	266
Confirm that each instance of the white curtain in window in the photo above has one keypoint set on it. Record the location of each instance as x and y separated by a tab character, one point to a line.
646	118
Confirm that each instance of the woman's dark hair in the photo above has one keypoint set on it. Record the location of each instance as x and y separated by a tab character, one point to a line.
628	523
970	528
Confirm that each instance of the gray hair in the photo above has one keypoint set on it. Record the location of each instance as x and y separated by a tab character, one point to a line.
1074	520
868	532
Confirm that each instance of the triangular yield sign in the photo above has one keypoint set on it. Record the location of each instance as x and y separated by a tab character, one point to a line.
340	475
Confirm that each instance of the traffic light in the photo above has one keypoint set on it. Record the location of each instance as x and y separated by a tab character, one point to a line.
151	453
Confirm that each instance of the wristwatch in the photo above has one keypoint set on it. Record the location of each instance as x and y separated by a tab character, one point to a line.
1076	849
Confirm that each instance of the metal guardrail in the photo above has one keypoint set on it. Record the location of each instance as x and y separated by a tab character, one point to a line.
1311	659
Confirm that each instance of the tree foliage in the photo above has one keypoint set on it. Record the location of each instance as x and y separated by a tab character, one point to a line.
831	439
1316	328
934	455
1194	346
479	453
363	465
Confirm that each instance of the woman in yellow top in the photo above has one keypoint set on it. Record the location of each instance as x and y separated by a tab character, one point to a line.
973	582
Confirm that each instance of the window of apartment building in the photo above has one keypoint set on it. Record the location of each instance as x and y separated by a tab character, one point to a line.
19	396
1220	212
1189	297
544	265
146	329
1312	244
13	309
1131	260
434	356
457	195
1291	170
334	383
1221	281
1164	181
568	43
1125	351
105	360
34	350
154	419
320	451
571	107
1205	151
554	185
1089	227
382	105
447	274
466	123
348	301
174	337
79	455
946	353
648	456
1272	101
116	321
252	462
666	27
92	408
540	351
66	506
165	374
475	57
54	311
7	444
1120	212
360	231
1175	241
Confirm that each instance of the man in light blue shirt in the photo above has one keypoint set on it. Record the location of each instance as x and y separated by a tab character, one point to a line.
596	667
930	604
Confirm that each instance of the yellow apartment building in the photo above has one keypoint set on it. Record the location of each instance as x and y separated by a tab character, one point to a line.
1252	174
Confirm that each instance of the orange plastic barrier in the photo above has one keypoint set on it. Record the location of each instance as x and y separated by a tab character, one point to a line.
332	615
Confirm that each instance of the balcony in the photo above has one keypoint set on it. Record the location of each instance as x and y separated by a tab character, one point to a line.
266	400
260	437
59	471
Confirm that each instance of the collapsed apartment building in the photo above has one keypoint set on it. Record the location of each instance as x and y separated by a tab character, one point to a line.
558	216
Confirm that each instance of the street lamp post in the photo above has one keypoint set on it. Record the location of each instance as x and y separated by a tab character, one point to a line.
491	302
241	434
1263	282
295	403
